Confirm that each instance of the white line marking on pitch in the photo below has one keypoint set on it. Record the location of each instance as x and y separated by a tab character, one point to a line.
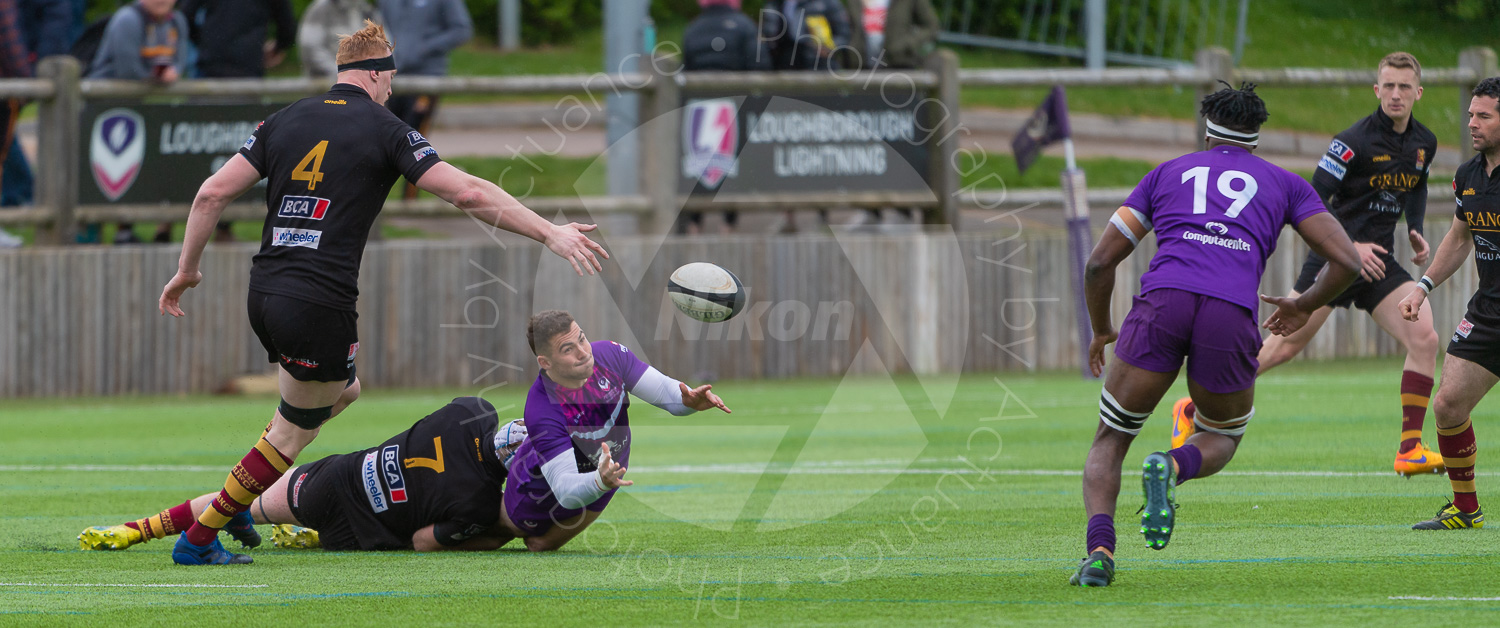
1425	598
823	467
153	586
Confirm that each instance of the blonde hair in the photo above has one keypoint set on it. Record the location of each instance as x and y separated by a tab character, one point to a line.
1401	60
368	43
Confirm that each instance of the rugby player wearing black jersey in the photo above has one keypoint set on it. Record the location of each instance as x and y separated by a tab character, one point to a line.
436	486
1473	363
329	162
1374	171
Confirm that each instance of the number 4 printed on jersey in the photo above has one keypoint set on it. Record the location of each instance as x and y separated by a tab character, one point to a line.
314	174
1241	197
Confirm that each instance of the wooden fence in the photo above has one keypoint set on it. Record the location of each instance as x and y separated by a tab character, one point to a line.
83	321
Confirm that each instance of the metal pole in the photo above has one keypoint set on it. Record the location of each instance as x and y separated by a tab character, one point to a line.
622	54
1080	242
1239	31
57	158
1093	23
510	25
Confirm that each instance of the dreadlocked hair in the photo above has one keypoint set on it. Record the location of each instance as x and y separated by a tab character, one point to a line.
1239	109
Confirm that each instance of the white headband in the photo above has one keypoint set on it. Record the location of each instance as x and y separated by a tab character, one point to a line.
1214	130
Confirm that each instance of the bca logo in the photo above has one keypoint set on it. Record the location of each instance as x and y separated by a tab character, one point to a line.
710	136
390	465
116	149
309	207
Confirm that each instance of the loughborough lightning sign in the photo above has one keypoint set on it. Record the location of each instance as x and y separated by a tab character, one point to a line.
802	143
159	153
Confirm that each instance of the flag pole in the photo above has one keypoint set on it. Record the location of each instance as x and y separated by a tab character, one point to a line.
1080	241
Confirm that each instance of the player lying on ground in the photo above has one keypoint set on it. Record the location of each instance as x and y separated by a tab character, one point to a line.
1217	215
1374	171
329	162
578	429
1473	363
436	486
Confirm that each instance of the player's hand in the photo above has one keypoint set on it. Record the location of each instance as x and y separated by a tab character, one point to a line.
1288	318
1419	247
1096	351
569	243
170	295
1411	306
611	474
702	398
1371	267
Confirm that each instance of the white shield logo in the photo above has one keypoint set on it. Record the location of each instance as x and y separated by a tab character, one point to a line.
116	150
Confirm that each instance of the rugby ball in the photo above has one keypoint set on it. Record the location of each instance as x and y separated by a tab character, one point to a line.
706	292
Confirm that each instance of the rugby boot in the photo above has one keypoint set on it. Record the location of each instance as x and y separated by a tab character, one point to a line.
288	536
110	537
1098	570
185	553
1451	518
242	529
1182	421
1159	487
1418	461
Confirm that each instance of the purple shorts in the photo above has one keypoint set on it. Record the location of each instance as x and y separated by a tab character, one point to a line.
1219	339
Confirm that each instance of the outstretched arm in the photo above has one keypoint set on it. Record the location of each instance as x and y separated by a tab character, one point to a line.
223	186
673	396
1326	237
486	202
1456	247
425	540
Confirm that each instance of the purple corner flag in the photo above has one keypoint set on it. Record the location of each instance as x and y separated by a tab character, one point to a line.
1047	125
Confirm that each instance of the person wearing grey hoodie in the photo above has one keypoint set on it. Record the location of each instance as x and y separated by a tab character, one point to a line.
318	35
424	32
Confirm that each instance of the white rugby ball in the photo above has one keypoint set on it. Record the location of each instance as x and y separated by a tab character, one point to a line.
706	292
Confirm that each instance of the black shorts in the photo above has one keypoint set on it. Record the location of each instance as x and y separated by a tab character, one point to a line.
1477	339
312	342
1363	294
322	497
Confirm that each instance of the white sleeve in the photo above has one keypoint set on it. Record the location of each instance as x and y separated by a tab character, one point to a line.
661	391
573	489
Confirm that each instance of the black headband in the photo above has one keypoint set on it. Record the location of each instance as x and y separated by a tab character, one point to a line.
382	64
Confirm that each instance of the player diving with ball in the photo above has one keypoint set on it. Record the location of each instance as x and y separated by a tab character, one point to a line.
460	479
1217	215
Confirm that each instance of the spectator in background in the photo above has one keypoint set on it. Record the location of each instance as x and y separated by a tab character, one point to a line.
804	33
145	40
231	40
894	34
13	64
423	33
47	27
318	37
911	32
721	39
231	35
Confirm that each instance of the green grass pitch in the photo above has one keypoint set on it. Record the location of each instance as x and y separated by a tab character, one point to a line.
854	502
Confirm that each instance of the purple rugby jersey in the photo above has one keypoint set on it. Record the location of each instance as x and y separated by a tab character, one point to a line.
1217	214
579	420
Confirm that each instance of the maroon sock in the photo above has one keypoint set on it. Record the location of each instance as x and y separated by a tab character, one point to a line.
1416	389
1459	450
165	523
255	473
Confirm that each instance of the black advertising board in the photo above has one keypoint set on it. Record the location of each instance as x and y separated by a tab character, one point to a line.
803	142
139	153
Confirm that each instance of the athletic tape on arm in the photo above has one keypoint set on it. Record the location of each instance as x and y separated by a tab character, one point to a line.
1132	223
573	489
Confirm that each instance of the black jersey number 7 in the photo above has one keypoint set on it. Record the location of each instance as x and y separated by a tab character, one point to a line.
436	464
310	168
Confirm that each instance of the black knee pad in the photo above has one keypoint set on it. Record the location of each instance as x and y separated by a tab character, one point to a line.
305	418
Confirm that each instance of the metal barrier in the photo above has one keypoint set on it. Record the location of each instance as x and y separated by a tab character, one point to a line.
61	94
